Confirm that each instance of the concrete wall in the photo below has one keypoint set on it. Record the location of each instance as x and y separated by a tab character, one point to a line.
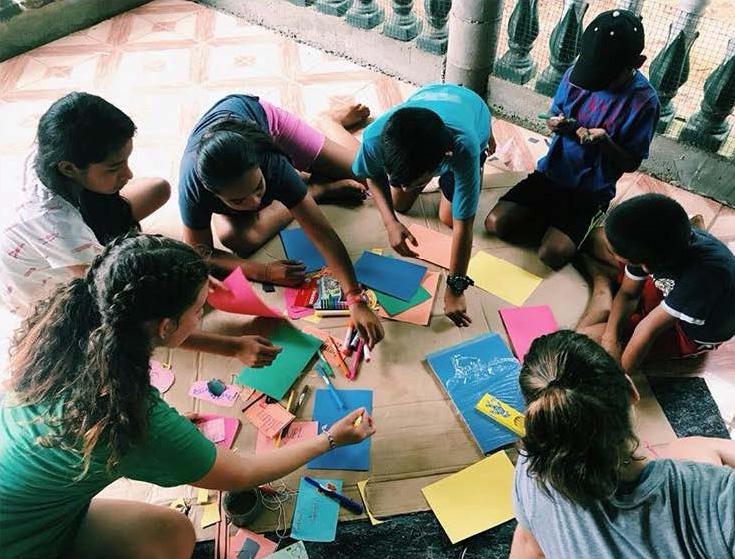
36	26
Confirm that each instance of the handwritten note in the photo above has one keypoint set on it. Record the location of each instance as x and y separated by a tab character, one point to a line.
297	431
161	377
268	418
231	425
200	391
315	515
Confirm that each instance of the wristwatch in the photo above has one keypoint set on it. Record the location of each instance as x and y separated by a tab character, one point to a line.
458	284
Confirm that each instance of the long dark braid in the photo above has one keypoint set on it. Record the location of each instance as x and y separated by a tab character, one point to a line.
88	345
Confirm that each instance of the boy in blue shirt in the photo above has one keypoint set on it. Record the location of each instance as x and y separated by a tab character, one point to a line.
604	115
441	130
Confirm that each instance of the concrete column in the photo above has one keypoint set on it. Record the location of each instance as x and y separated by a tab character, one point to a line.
474	26
634	6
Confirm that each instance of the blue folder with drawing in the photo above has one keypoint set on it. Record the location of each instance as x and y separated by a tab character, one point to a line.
469	370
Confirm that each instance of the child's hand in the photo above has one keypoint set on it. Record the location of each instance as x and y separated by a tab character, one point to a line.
455	307
280	272
398	234
367	324
345	431
255	351
591	135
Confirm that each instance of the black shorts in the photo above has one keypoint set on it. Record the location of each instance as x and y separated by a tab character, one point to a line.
573	212
446	181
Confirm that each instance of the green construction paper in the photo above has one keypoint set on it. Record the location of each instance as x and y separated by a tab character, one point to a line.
394	306
277	378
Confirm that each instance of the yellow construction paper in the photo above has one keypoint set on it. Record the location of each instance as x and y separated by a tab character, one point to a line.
502	278
210	515
361	488
202	496
474	499
312	318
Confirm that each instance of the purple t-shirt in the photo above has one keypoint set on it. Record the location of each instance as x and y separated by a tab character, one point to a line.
629	116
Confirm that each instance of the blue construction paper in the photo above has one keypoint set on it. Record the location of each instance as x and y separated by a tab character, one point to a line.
467	371
315	515
393	276
326	412
298	247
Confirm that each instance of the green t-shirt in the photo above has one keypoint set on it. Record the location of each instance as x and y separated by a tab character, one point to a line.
41	504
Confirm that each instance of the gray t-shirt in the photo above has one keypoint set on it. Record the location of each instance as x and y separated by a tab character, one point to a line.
676	510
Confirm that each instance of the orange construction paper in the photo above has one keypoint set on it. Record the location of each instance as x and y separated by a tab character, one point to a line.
434	247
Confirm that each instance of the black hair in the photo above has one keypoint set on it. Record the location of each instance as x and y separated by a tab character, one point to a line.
651	229
228	148
414	141
83	129
579	431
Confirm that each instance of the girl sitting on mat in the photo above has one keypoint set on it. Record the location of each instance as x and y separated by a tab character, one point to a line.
240	171
584	482
80	413
78	194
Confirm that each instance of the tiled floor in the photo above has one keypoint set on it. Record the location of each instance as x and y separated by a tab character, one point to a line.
168	61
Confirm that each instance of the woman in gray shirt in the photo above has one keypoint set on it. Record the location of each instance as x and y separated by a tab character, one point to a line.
586	487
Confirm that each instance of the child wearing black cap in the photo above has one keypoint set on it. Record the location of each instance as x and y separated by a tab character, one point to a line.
677	284
604	115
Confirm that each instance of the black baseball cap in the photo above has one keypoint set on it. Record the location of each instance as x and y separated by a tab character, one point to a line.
611	43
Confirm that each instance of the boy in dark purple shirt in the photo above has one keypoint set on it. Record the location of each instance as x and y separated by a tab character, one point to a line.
603	117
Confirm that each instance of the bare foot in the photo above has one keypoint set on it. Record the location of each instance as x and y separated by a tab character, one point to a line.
350	115
344	191
697	221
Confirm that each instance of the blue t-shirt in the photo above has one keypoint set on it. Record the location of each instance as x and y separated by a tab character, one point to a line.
466	115
629	116
700	293
282	181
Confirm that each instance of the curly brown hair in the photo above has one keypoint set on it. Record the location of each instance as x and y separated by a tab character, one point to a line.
88	346
579	431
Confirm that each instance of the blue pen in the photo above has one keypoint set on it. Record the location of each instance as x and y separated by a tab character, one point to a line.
332	391
346	502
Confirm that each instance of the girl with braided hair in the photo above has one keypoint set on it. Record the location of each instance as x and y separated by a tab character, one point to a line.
586	487
78	195
80	413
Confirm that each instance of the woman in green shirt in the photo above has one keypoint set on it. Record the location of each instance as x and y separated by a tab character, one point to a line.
81	413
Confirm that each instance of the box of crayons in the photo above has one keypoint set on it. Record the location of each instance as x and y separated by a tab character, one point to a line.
322	293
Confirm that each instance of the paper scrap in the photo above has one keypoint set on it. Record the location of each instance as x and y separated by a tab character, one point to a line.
315	515
313	318
241	297
525	324
474	499
295	312
389	275
277	378
231	425
377	251
363	493
297	431
238	541
202	496
501	278
268	418
434	247
161	377
294	551
420	314
210	515
200	391
213	429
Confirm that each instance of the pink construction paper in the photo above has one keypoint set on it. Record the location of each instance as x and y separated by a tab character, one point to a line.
297	431
525	324
234	546
420	314
241	297
232	424
433	246
161	377
226	399
213	429
294	312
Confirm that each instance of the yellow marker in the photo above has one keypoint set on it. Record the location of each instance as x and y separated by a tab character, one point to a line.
499	411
